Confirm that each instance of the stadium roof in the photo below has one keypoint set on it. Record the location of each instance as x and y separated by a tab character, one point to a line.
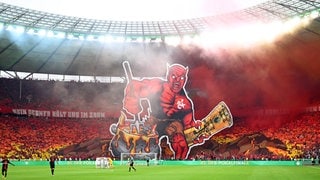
35	54
264	12
137	10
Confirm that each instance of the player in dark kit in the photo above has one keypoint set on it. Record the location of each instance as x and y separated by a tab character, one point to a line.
131	162
52	164
148	161
5	162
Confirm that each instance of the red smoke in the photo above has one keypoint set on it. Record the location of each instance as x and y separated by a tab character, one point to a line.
285	75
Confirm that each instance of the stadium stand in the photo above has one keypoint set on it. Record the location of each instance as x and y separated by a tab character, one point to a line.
27	132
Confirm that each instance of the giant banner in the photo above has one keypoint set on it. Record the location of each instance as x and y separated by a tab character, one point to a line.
159	108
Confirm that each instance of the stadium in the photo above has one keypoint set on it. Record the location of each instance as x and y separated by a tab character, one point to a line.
214	94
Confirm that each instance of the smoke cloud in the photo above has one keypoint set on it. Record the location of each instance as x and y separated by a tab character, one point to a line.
282	75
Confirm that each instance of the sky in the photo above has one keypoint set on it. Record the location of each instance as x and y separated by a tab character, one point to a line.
136	10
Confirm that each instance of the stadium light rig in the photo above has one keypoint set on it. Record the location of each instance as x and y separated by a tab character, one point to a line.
255	32
174	40
15	28
56	34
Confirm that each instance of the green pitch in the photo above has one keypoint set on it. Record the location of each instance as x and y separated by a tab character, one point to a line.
165	172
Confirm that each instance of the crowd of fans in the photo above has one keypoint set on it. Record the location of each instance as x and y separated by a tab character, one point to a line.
299	133
27	137
38	138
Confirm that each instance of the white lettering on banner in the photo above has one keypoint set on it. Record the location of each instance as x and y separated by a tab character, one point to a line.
19	111
38	113
59	114
96	115
84	115
73	114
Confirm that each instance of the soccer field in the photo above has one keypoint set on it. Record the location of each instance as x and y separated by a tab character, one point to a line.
165	172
